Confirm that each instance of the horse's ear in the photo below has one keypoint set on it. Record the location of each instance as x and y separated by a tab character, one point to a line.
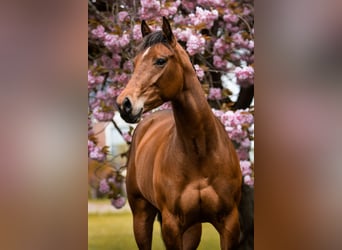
145	30
168	32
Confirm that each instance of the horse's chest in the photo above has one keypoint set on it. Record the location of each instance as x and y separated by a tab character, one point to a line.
199	199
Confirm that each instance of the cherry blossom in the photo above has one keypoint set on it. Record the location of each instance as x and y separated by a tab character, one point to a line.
218	35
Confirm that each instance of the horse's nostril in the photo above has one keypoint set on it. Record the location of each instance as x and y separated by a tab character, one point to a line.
127	105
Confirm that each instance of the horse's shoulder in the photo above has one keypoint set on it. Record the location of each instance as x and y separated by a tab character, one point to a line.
157	122
157	118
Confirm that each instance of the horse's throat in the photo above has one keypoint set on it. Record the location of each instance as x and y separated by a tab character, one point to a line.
195	123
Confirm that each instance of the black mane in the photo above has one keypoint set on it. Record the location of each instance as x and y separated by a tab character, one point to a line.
152	39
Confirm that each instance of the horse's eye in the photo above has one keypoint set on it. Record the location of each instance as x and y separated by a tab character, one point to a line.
160	61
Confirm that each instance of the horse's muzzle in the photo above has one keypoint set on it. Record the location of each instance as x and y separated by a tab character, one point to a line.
126	111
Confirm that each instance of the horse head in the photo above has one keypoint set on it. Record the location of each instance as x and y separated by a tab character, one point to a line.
157	75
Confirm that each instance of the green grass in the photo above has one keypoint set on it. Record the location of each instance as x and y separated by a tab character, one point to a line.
115	231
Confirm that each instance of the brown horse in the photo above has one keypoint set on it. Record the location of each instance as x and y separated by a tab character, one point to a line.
181	163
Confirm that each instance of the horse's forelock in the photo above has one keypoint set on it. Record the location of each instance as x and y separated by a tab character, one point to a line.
159	37
152	39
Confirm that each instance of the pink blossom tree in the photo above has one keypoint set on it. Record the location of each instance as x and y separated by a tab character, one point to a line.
219	38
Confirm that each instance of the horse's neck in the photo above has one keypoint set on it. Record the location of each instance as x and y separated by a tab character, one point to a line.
195	122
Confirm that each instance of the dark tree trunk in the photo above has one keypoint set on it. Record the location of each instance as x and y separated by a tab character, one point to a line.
245	98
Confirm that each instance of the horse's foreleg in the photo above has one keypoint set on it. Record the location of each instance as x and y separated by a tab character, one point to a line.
172	235
192	237
229	230
143	217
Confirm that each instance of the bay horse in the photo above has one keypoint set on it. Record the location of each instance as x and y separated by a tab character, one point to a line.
181	162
